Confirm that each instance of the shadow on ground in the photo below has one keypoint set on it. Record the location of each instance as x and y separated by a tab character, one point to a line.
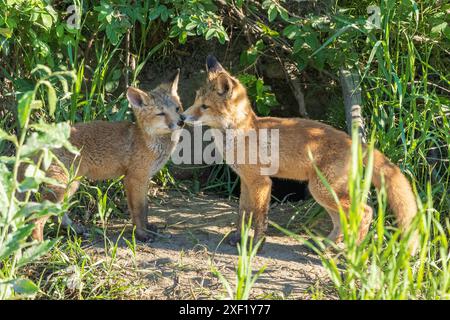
180	267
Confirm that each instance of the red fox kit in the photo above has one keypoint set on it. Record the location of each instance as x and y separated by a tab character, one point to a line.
222	103
135	150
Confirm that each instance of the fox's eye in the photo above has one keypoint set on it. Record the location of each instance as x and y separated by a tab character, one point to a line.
161	114
177	109
204	107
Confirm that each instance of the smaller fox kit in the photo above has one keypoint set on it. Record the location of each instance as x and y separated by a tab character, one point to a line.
222	103
135	150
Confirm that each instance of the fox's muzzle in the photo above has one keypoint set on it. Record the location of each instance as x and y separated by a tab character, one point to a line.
181	121
188	119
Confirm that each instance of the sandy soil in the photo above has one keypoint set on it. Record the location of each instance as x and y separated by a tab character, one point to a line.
180	267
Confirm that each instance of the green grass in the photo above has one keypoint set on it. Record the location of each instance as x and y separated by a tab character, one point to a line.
72	271
55	74
245	276
381	266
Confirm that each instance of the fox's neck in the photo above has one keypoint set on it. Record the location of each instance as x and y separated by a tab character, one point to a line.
157	143
245	117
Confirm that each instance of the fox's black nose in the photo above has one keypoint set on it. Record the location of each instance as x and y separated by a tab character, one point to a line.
180	123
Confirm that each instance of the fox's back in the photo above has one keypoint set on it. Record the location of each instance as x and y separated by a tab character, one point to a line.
105	148
297	136
305	131
102	137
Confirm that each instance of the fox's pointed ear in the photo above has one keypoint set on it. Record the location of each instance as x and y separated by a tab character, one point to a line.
212	65
137	98
224	85
171	82
174	86
216	73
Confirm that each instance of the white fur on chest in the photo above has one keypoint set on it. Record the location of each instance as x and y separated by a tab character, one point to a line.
223	143
162	149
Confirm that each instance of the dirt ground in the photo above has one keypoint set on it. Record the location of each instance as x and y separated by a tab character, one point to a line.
180	267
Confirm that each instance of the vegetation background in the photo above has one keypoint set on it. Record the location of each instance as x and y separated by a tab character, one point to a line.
63	62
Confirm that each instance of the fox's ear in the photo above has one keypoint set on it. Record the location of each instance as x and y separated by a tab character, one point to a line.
212	65
224	82
171	82
137	98
224	85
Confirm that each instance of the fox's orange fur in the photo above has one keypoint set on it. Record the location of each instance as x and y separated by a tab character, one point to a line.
222	103
112	149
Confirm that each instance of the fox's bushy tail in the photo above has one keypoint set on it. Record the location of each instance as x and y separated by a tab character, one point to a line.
400	196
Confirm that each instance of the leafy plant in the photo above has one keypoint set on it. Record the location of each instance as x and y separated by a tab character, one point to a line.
17	215
260	93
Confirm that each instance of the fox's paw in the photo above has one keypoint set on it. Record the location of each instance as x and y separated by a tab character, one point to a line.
79	229
76	227
234	238
144	235
150	233
152	227
256	240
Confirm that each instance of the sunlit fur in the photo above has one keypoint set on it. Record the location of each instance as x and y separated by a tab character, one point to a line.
228	106
225	110
112	149
159	101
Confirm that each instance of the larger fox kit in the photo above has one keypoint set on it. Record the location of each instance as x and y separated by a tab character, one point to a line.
222	103
135	150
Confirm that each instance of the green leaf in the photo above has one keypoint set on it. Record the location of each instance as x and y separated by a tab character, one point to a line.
52	12
6	136
6	32
34	210
154	14
24	107
333	37
191	25
164	13
41	48
183	37
273	12
47	20
35	252
5	188
51	95
14	241
210	33
284	14
50	137
291	31
51	100
28	184
24	287
439	28
267	30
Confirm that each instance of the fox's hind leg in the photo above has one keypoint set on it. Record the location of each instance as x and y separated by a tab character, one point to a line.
56	194
66	222
321	194
326	200
365	223
255	200
336	234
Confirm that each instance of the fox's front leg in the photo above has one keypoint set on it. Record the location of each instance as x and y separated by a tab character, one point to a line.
254	200
136	189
